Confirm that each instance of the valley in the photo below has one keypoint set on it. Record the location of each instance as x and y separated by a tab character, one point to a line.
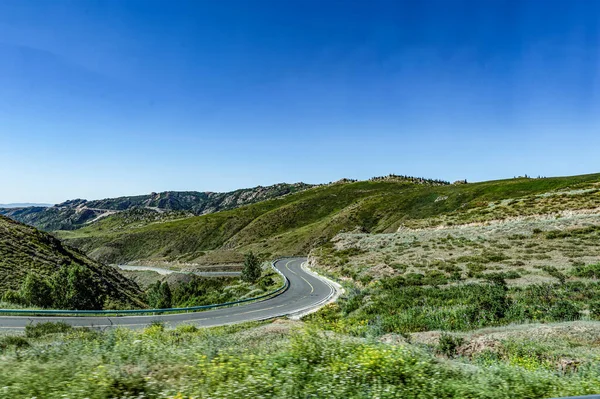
490	287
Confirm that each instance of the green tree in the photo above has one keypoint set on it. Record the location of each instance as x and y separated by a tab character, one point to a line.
159	295
75	287
252	267
36	291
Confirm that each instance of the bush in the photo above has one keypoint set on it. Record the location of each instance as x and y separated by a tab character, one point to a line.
13	341
36	291
498	279
128	386
554	272
589	271
435	277
265	283
14	297
159	295
595	309
414	279
41	329
564	311
74	287
448	344
475	270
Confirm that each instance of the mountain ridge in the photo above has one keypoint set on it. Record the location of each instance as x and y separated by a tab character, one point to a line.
25	205
76	213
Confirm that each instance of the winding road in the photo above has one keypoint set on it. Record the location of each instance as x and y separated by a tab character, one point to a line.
306	291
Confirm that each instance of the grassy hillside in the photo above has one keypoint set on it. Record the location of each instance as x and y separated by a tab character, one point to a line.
24	250
167	205
296	223
510	256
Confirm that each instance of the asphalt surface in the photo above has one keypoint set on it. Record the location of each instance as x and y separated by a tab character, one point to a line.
305	291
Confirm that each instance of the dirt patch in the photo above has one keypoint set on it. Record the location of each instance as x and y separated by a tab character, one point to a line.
392	339
479	345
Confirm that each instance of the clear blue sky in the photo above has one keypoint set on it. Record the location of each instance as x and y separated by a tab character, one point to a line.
107	98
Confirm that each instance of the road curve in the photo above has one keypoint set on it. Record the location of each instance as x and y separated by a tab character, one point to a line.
305	291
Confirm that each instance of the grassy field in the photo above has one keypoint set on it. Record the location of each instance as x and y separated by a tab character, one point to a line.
283	359
300	222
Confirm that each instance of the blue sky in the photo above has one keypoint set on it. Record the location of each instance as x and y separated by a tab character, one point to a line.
108	98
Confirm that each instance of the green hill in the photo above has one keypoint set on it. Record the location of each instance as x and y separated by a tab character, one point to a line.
25	250
296	223
167	205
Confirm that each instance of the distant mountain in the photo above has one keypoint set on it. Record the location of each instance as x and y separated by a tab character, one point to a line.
25	205
76	213
24	250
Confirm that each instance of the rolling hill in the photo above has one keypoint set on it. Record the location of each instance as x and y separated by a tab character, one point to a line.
23	250
299	222
77	213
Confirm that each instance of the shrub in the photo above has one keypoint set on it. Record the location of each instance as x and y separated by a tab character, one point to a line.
159	295
554	272
36	291
589	271
266	282
415	279
74	287
435	277
128	386
475	269
564	310
497	279
391	283
448	344
13	341
595	309
14	297
365	279
490	306
186	328
41	329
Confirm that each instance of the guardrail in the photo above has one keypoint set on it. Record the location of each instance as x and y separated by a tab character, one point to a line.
54	312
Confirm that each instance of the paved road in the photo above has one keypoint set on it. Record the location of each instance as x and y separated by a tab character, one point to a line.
305	291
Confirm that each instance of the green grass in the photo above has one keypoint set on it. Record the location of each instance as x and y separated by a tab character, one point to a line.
264	361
